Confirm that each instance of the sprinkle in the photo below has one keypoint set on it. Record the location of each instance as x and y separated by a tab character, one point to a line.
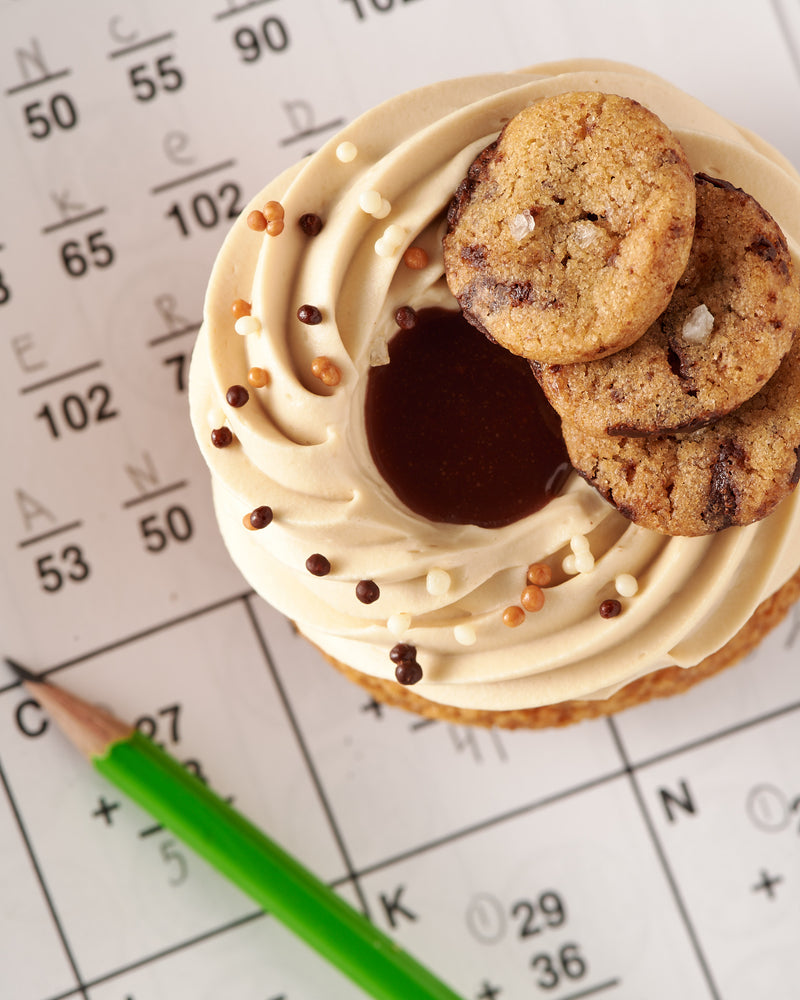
416	258
261	517
370	201
626	585
407	670
388	244
568	565
513	616
579	543
258	377
309	315
399	624
247	324
346	152
256	221
532	598
383	211
584	562
408	673
367	591
437	582
522	225
698	325
237	395
318	565
610	609
246	523
540	574
326	371
221	437
403	652
465	635
273	210
239	307
406	318
275	227
310	223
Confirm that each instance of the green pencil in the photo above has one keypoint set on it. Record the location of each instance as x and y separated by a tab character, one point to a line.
237	849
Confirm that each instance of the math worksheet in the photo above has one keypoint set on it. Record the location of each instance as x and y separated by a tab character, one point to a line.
649	856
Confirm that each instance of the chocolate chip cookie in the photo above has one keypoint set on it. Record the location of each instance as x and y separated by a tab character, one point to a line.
733	472
567	237
728	326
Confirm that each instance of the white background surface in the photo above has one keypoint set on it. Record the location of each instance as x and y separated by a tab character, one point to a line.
657	854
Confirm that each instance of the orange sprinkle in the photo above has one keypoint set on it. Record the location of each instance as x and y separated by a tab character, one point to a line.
416	258
257	221
272	210
540	574
532	598
246	522
275	227
326	371
258	377
240	308
513	616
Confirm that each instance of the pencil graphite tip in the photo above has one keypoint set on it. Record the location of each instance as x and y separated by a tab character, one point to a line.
22	672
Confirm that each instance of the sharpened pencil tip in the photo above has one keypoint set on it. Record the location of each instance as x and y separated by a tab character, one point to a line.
22	672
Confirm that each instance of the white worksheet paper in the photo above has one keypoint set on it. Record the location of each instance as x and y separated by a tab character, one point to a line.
647	857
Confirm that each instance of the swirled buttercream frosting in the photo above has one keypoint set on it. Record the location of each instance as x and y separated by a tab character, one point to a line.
278	393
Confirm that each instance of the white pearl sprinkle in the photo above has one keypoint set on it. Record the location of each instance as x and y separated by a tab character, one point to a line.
626	585
465	635
584	562
215	417
568	565
399	624
394	234
370	201
247	324
384	249
579	543
383	211
346	151
437	582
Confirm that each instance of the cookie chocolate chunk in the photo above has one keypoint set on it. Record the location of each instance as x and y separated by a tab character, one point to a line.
733	472
568	236
728	326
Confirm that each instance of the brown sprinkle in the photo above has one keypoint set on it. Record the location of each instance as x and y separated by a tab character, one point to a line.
256	221
416	258
610	608
318	565
247	524
407	673
532	598
260	517
273	210
237	395
275	227
540	574
221	437
309	315
310	223
402	652
258	377
406	318
240	308
367	591
326	371
513	616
